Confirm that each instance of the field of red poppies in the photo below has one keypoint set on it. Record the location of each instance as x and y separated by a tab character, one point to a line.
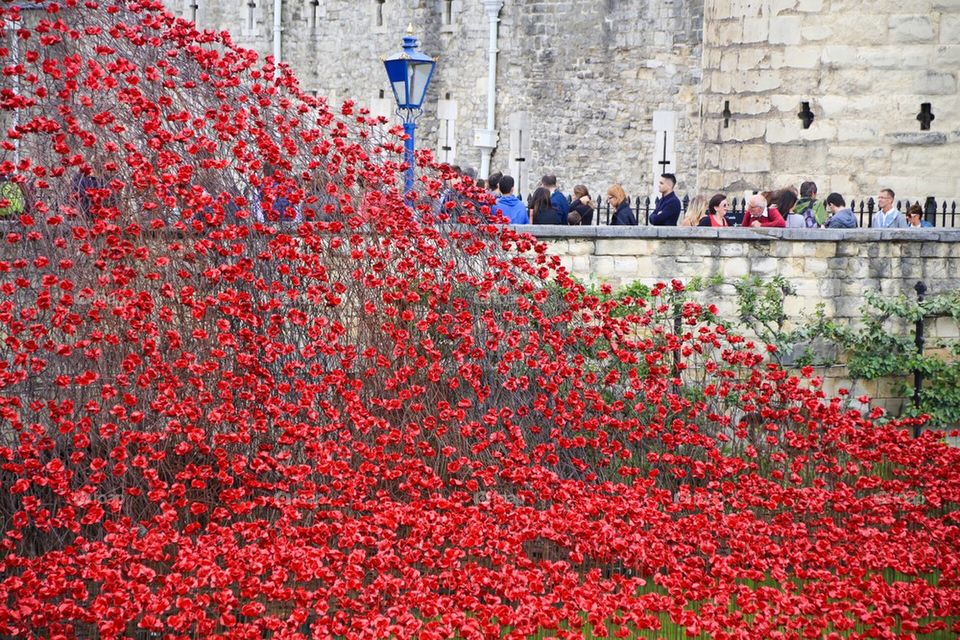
251	389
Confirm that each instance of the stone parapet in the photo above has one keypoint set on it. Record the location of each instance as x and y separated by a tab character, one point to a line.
832	268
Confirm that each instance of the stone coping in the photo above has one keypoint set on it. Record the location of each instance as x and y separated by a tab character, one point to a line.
547	232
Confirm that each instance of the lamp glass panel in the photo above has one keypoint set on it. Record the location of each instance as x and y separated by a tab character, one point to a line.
419	77
399	92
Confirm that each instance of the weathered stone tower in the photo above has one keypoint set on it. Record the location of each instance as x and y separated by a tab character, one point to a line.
855	95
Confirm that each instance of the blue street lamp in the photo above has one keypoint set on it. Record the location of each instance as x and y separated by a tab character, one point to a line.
409	73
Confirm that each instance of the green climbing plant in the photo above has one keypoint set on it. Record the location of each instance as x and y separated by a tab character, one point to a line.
881	345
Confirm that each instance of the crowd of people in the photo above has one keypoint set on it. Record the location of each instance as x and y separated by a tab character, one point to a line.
792	208
788	207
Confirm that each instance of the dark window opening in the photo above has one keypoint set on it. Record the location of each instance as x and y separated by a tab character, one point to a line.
380	12
447	12
925	116
805	115
726	113
251	5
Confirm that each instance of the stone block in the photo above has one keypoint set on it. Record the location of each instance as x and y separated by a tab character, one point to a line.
624	247
948	55
782	131
835	105
729	61
814	33
933	83
736	268
910	29
705	249
581	247
801	249
838	53
580	266
785	30
899	56
753	105
934	268
746	129
825	249
645	266
802	57
557	247
753	58
750	81
780	6
857	131
848	306
754	158
910	268
729	249
946	328
846	25
794	306
603	266
815	266
732	31
764	266
721	83
950	28
756	29
810	6
933	250
673	248
625	266
819	130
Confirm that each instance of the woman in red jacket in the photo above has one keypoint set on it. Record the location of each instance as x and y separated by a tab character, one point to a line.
716	210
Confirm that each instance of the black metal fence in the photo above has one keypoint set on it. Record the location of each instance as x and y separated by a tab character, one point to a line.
942	214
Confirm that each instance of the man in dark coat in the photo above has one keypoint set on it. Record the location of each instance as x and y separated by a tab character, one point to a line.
557	199
667	212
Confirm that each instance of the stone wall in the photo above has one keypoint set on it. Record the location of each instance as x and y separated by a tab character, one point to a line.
828	267
585	88
825	266
582	79
864	68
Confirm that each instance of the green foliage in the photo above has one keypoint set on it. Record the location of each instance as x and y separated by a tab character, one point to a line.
882	346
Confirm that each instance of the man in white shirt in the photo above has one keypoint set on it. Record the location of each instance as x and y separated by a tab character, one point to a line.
887	217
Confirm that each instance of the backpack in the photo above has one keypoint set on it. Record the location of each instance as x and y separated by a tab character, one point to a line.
12	201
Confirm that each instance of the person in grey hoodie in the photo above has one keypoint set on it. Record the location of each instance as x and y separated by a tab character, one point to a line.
841	216
509	205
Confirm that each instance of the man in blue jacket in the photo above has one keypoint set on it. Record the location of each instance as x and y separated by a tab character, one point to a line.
509	205
667	212
557	199
841	216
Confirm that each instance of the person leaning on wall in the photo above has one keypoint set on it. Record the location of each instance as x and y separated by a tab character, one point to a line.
623	214
696	209
581	207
